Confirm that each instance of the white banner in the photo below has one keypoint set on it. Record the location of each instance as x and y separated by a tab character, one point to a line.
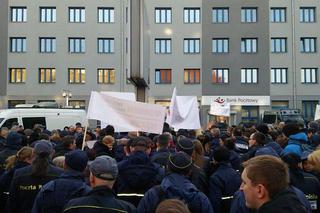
126	115
317	113
183	112
220	109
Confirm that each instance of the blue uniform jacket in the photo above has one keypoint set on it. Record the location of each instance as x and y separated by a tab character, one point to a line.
179	187
56	194
223	183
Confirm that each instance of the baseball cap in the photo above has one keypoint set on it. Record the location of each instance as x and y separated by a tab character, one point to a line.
104	167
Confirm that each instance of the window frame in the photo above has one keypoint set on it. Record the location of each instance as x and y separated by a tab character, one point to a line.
306	40
188	17
166	71
106	11
73	15
252	77
16	42
106	72
245	47
51	80
73	44
282	11
158	46
215	45
274	74
15	19
23	74
159	12
220	73
53	14
196	76
52	45
196	45
225	17
274	41
304	70
81	80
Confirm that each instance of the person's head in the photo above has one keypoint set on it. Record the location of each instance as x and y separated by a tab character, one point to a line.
262	178
25	154
108	141
314	161
69	142
59	161
257	139
215	132
78	124
55	137
290	129
76	160
163	141
172	206
14	139
263	128
179	163
185	145
292	160
221	154
198	153
230	143
139	144
43	151
109	130
237	131
103	171
4	131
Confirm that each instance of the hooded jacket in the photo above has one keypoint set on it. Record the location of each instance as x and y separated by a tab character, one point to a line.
175	186
294	144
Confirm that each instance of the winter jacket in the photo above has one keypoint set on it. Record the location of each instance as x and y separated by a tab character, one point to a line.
223	183
54	195
294	143
179	187
100	200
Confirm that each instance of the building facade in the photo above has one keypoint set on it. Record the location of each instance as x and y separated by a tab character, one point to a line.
256	55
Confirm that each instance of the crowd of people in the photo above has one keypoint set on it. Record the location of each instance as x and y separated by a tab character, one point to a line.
242	169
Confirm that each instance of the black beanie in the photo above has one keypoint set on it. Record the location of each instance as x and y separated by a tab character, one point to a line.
179	163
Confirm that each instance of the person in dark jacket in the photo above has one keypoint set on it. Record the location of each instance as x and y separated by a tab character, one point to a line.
27	181
197	175
67	145
23	158
296	139
235	160
103	173
176	185
224	182
269	142
161	155
104	147
54	195
241	143
215	142
239	203
4	131
137	173
306	182
265	182
12	146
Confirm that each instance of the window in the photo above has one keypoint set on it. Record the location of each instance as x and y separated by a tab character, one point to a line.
279	75
307	14
29	123
249	45
48	14
191	45
9	122
191	15
249	15
309	109
278	45
163	76
278	14
163	15
308	45
105	45
17	75
77	45
18	14
106	76
47	45
162	46
18	44
249	76
309	75
77	14
191	76
77	76
220	45
220	15
47	75
220	75
106	15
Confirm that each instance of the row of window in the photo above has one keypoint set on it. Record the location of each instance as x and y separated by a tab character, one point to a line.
164	15
48	45
76	14
164	76
163	45
76	75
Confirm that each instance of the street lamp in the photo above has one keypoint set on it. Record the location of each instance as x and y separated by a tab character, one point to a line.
66	94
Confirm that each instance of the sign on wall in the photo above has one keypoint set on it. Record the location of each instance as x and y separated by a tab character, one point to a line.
237	100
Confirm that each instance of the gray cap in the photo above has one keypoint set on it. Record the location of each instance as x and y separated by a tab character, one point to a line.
104	167
42	147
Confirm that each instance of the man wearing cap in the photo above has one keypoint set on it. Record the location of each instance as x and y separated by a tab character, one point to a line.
197	175
176	185
103	173
28	181
137	173
71	184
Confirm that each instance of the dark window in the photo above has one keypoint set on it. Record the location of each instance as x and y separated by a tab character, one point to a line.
8	123
28	123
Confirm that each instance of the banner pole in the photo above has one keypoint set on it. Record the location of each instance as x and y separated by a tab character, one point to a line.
84	137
